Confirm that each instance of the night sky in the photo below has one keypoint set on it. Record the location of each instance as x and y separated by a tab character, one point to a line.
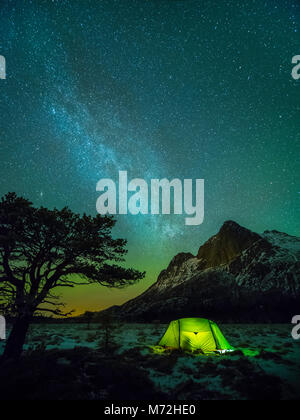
160	88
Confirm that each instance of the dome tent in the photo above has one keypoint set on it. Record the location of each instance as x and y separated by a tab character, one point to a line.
193	334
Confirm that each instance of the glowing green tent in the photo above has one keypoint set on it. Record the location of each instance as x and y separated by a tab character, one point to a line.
195	334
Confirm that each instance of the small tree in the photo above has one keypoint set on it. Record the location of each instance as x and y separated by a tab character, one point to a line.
109	326
43	250
89	317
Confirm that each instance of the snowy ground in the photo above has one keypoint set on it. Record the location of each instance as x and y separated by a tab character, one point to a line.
273	364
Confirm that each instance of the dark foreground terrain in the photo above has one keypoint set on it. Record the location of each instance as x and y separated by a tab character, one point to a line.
74	362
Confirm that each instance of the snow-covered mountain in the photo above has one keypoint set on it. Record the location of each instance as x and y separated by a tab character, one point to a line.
237	275
280	239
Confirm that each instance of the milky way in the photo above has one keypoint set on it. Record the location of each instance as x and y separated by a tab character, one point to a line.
176	89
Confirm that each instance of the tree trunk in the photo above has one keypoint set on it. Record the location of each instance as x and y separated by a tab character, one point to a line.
16	339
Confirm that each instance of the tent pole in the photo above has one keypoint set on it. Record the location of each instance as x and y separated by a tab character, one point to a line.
213	334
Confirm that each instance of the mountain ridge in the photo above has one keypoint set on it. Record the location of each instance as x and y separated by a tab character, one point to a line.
236	276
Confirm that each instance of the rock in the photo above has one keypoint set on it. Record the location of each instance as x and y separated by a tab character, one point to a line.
237	276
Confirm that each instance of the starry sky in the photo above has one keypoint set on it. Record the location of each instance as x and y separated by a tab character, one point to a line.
160	88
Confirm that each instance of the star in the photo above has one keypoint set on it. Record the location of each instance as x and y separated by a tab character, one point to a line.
178	90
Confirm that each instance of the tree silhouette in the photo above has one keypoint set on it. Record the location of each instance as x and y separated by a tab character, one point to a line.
88	316
42	251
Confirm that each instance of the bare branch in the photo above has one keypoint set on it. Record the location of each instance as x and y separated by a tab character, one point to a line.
55	312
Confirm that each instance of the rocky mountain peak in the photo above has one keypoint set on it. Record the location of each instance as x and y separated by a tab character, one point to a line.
179	259
228	244
237	276
283	240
